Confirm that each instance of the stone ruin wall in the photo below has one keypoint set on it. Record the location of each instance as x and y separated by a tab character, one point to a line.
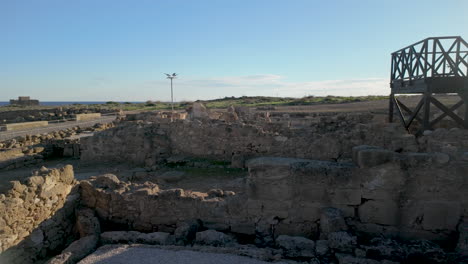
30	150
37	216
404	194
410	196
146	144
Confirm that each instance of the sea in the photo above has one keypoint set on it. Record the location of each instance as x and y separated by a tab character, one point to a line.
69	103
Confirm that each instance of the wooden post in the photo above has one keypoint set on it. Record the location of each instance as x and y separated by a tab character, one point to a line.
391	108
464	96
427	110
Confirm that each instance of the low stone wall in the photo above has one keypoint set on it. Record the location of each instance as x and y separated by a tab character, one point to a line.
21	157
453	142
10	153
411	196
144	207
146	144
37	216
26	125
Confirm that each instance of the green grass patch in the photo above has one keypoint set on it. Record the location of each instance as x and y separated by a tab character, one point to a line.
250	101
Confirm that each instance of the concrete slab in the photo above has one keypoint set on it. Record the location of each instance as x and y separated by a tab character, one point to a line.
83	117
26	125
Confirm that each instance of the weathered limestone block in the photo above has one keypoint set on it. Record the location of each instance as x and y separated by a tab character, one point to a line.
87	223
385	212
296	246
370	156
213	238
383	182
321	247
304	211
90	116
156	238
107	181
76	251
186	231
321	174
341	196
10	154
331	220
441	215
342	241
462	245
198	111
270	179
229	117
37	215
114	237
349	259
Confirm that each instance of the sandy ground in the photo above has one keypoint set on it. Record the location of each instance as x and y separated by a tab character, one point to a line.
148	255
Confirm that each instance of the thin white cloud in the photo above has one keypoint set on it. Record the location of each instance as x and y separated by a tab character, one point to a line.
272	85
193	88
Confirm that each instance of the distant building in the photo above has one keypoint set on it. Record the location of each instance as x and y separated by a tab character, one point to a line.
24	101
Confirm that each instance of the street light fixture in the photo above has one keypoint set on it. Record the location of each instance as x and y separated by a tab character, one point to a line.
173	76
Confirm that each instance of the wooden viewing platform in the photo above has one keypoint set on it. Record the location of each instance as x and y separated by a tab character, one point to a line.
436	65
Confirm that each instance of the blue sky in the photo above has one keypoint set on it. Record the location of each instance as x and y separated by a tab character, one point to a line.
92	50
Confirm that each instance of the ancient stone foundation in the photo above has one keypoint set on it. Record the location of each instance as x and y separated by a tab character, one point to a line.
387	193
329	189
330	139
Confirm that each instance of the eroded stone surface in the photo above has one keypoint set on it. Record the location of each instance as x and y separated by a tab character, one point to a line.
37	216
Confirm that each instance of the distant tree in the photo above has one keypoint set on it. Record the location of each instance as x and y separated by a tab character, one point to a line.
150	103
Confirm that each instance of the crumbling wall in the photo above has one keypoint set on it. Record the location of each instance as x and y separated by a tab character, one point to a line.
453	142
147	143
411	196
20	157
37	216
30	150
144	207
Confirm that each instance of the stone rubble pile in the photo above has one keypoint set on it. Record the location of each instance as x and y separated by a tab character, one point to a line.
30	150
60	113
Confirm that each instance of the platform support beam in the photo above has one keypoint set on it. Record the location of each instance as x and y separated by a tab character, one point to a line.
427	111
391	108
464	97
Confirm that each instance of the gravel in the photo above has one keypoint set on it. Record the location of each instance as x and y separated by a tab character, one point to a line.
145	255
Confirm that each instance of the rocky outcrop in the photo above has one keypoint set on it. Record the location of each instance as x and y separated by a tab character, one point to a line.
296	247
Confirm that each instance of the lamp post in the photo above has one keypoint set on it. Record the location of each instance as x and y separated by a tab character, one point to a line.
172	76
